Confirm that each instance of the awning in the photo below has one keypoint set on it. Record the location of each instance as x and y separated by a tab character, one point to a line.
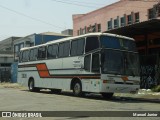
140	28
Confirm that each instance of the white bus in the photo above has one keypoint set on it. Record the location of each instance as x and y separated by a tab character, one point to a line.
92	63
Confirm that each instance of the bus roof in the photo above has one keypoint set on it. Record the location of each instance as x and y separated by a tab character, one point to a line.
72	38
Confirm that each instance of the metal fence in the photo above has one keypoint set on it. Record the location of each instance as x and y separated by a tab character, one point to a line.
5	74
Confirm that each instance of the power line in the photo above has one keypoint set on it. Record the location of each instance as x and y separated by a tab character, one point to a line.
71	3
36	19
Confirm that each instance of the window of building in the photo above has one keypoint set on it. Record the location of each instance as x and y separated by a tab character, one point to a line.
92	43
109	25
87	62
20	56
33	54
41	52
81	31
21	45
88	28
16	48
52	51
122	21
150	14
95	63
84	31
115	23
129	18
78	32
92	28
137	17
64	49
77	47
99	27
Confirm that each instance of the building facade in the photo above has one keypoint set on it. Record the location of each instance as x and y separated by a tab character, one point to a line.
139	19
119	14
68	32
7	44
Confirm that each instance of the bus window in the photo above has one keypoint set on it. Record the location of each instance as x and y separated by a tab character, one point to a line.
61	50
87	61
52	51
25	56
33	54
42	52
77	47
64	49
92	43
74	46
95	63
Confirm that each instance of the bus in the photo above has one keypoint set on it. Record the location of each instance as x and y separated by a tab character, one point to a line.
92	63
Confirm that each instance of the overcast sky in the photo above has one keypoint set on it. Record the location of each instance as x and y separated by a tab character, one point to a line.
25	17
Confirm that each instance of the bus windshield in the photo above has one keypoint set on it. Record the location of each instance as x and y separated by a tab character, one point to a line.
120	62
117	43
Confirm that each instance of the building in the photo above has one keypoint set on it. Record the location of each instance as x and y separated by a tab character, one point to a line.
6	58
139	19
34	39
68	32
7	44
119	14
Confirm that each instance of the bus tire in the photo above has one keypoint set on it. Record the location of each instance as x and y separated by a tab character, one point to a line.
56	91
77	88
107	95
31	86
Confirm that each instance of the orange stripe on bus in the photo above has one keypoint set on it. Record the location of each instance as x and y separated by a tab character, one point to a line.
124	78
43	70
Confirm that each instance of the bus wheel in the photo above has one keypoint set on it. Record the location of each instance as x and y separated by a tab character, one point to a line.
31	86
56	91
77	89
107	95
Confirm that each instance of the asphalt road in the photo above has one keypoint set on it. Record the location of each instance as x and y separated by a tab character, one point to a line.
23	100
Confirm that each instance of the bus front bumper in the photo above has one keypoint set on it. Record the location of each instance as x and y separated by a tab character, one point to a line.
120	88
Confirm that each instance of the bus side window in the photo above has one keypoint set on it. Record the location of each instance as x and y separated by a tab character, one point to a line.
87	61
95	63
80	49
25	56
77	47
42	52
64	49
92	43
60	54
52	51
74	45
33	54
